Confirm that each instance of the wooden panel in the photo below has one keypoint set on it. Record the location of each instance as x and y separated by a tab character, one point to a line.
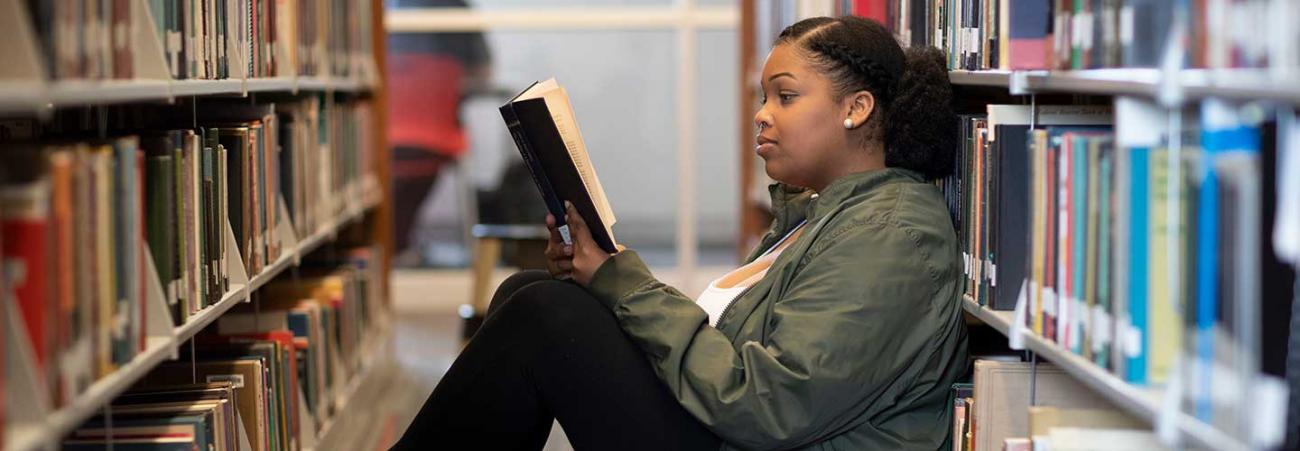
382	229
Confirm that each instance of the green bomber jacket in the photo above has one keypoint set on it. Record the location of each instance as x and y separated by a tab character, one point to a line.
850	342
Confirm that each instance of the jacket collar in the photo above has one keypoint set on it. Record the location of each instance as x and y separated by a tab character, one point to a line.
791	204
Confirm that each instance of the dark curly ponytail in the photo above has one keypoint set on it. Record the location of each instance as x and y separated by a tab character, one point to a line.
913	96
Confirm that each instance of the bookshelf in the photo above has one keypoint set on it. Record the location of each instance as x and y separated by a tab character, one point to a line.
1181	95
1182	86
1144	403
26	88
28	92
58	423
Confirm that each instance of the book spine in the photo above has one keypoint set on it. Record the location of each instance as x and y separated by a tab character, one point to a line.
553	203
1079	240
26	214
1137	298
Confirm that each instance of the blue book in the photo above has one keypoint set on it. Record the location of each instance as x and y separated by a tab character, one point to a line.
1078	233
1221	132
1139	198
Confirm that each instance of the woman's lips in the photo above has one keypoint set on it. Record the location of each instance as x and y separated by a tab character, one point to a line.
765	145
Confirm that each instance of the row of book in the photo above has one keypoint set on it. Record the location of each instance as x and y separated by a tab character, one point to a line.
85	39
83	220
1091	34
1125	251
995	412
203	39
269	376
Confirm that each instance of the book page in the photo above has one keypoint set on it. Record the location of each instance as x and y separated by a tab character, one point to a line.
557	101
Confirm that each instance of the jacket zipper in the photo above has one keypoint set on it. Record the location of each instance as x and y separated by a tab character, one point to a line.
733	301
727	310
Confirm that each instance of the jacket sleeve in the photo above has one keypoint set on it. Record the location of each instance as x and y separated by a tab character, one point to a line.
840	344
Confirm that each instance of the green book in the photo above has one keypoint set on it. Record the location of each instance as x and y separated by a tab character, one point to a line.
1101	349
160	217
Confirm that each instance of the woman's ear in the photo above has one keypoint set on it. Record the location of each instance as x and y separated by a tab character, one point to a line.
860	106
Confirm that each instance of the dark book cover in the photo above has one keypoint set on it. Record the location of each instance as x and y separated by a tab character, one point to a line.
160	217
557	178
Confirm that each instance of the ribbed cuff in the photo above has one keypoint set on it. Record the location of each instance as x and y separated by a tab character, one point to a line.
618	277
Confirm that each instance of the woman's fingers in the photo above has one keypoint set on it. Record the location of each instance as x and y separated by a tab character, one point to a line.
577	226
564	265
559	256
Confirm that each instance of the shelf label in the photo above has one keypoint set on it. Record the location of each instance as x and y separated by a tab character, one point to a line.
236	380
1268	403
1101	328
1132	337
1018	84
1166	423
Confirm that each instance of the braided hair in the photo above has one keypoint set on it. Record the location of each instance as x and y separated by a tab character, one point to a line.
911	89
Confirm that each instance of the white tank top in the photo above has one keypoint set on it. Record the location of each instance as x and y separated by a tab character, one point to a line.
723	290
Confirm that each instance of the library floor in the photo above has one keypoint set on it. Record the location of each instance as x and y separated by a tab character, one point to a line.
426	332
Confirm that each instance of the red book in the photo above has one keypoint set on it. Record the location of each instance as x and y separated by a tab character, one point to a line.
4	322
24	221
877	10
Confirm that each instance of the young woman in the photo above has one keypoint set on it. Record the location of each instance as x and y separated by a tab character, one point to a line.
842	331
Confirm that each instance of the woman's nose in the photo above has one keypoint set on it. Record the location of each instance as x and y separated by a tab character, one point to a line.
762	119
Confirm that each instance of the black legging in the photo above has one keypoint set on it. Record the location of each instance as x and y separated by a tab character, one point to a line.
549	350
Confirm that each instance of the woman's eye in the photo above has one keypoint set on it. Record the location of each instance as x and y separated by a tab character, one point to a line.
786	98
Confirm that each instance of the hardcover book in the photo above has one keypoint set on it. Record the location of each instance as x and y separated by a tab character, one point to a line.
545	130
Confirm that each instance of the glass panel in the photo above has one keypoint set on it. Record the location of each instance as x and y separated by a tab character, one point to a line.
621	86
717	167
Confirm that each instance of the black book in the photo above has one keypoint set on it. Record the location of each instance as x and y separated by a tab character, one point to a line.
545	130
1010	187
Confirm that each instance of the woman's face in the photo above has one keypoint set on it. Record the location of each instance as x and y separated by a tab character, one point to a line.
801	135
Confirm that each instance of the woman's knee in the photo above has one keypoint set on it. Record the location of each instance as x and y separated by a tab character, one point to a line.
513	284
556	304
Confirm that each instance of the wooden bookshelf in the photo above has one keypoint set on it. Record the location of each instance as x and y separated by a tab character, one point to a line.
57	424
27	92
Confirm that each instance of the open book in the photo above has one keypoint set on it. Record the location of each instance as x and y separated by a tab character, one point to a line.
545	130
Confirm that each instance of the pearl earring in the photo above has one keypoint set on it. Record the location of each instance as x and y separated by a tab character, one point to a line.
848	123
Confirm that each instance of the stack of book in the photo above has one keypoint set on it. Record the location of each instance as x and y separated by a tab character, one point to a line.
69	210
1127	249
990	210
996	412
85	40
267	378
89	224
1090	34
203	39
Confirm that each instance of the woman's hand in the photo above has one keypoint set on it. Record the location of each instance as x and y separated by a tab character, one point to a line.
559	256
586	256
